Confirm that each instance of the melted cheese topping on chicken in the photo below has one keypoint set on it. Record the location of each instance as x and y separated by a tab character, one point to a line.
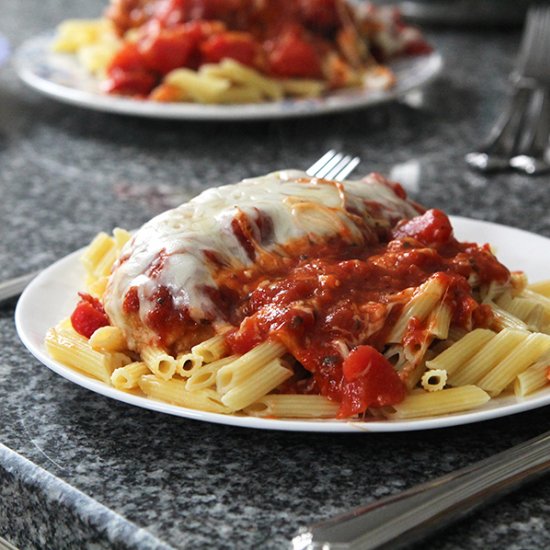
173	249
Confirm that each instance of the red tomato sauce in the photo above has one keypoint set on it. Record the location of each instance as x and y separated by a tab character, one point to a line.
322	306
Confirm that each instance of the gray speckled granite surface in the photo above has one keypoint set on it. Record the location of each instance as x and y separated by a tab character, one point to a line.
66	173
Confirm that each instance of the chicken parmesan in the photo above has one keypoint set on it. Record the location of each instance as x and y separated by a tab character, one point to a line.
292	296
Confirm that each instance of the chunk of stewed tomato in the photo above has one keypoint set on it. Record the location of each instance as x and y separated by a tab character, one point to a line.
293	55
432	227
88	315
240	46
369	381
127	74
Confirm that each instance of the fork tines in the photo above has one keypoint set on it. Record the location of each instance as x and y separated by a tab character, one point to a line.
533	60
520	139
333	165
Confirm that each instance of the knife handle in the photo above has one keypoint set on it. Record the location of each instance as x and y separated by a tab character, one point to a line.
404	518
13	287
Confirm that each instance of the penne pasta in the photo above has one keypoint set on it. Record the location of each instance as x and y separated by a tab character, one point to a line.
293	406
234	373
159	362
461	351
487	357
515	362
258	384
540	287
99	256
69	348
127	377
212	349
205	376
187	364
439	321
434	380
108	338
245	76
533	378
173	391
419	307
505	319
446	401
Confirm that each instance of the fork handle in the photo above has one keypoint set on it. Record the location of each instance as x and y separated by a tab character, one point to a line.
406	517
503	139
13	287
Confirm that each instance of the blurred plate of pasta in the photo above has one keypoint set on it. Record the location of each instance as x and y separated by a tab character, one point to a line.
51	297
62	77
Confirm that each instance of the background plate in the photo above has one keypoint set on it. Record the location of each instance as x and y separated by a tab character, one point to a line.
52	296
61	77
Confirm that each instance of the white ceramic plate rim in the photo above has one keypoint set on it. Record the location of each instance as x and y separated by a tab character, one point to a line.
35	62
52	295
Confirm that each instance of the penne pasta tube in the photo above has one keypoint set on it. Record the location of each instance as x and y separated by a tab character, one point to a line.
241	94
121	237
544	301
434	380
187	364
258	384
461	351
159	362
293	406
439	321
519	307
505	319
173	391
73	34
96	287
519	281
234	373
72	349
456	333
127	377
96	57
420	306
108	338
300	87
100	255
451	400
205	375
200	87
533	378
540	287
515	362
212	349
487	357
241	74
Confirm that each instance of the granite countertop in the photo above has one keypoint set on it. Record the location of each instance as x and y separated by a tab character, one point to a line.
80	470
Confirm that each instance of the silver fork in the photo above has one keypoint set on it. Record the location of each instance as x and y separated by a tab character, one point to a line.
520	138
331	165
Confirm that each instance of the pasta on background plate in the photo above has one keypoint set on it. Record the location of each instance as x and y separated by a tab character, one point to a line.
288	296
238	51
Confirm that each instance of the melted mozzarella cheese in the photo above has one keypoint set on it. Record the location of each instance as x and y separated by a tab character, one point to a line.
296	205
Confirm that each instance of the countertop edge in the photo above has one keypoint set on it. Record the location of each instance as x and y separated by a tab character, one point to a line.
30	496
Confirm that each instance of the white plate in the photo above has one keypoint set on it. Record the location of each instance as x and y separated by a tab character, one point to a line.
61	77
52	296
